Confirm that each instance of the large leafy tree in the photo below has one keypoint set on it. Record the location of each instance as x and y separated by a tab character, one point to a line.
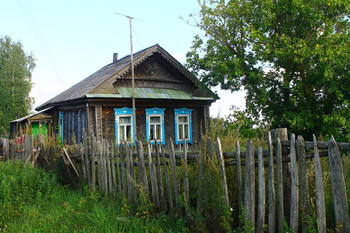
290	56
15	81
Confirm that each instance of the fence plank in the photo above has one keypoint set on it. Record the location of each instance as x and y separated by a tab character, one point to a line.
341	208
271	187
93	162
239	178
261	192
222	171
174	173
279	191
142	169
160	178
123	170
185	170
304	184
320	203
153	177
167	180
109	166
113	161
249	186
294	208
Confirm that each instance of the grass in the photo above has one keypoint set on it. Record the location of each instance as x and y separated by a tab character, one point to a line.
31	200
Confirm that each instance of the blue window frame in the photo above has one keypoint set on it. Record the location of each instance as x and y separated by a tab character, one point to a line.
183	125
124	125
155	125
61	125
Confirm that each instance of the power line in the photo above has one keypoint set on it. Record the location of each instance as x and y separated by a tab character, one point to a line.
31	20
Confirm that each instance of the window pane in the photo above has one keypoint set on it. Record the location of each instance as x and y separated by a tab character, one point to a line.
125	120
183	119
155	119
186	131
121	133
151	132
181	133
128	132
157	136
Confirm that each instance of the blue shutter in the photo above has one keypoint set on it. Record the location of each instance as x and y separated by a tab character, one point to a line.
123	111
155	111
183	111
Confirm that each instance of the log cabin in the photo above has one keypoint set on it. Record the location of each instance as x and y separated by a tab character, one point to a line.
170	102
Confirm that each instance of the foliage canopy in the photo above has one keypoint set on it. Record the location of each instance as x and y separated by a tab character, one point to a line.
15	81
290	56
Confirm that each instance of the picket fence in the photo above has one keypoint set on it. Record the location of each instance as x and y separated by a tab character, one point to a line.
260	182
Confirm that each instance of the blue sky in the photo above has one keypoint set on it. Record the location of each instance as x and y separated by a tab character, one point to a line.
72	39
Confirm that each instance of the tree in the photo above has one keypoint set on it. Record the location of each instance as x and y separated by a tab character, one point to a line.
290	56
15	81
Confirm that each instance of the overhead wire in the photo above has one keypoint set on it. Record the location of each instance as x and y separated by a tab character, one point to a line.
32	22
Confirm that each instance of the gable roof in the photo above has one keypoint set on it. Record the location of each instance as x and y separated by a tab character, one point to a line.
84	88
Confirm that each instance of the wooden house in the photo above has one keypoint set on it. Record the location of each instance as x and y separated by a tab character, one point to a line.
170	102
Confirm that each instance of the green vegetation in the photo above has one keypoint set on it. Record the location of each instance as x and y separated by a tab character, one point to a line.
31	200
291	58
15	81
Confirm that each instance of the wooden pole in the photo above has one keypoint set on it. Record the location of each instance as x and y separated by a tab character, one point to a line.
222	172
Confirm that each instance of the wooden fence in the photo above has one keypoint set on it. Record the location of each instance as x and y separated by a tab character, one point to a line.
253	181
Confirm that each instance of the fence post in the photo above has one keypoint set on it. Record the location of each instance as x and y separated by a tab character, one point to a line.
249	186
341	208
320	203
294	207
271	187
167	180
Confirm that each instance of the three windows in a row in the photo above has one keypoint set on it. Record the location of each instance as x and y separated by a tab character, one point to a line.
155	128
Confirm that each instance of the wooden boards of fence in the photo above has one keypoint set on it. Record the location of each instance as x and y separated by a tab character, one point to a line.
163	174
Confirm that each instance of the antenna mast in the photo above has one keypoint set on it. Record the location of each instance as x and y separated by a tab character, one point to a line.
132	73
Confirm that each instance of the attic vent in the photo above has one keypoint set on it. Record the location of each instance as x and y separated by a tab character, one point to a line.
115	57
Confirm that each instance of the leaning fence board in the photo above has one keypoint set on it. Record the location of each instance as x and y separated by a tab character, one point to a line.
294	208
279	190
114	180
261	192
93	163
320	203
341	208
304	184
249	186
222	171
271	187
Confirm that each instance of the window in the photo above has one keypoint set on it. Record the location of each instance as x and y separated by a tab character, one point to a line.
124	127
183	125
155	125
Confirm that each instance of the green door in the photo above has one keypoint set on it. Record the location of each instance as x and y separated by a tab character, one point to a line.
39	128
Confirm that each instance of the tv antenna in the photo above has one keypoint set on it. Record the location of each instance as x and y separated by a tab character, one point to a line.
132	72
